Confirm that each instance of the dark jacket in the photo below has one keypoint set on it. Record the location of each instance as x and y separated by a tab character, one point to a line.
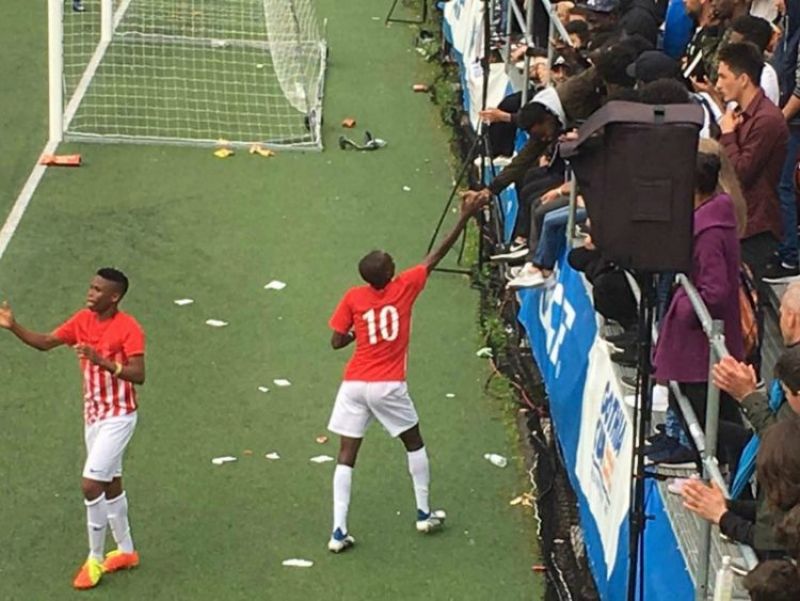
579	97
757	150
753	523
682	349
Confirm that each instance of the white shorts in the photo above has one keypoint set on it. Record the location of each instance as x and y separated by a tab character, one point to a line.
106	441
357	403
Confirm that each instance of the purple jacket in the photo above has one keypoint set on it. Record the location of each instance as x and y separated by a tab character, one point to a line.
682	350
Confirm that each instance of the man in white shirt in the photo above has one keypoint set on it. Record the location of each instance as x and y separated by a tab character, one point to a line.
758	32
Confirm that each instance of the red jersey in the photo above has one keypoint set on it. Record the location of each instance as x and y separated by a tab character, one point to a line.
381	320
116	339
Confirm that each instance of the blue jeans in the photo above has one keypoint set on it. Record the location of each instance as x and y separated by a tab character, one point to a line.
787	194
554	235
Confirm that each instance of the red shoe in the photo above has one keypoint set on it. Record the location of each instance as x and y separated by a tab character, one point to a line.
117	560
89	575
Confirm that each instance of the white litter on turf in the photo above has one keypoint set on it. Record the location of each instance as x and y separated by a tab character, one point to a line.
282	383
321	459
406	189
272	456
275	285
297	563
263	389
182	302
450	395
216	323
223	460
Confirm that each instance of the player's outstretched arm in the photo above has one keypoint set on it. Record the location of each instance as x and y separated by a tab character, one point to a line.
41	342
471	203
339	340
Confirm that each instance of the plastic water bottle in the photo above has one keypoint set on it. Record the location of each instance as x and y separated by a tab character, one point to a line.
723	588
496	459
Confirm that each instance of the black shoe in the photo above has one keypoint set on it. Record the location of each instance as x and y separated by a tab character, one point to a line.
780	273
515	252
627	358
623	338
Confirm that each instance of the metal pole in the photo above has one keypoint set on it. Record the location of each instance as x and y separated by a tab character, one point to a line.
55	54
573	203
529	42
710	451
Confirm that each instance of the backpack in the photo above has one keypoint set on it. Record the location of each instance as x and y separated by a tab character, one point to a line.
751	317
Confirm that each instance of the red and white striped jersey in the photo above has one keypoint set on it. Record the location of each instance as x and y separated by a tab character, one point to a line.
117	339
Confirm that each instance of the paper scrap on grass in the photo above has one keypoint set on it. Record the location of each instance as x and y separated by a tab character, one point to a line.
450	395
297	563
275	285
321	459
182	302
216	323
223	153
60	160
322	439
525	499
223	460
261	151
282	383
406	189
485	352
263	389
273	456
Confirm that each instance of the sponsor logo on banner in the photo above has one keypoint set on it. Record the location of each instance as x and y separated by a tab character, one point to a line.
557	317
605	437
609	433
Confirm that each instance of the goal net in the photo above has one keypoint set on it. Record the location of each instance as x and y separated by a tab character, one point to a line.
193	72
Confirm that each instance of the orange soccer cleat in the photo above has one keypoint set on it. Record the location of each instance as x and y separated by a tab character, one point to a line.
89	574
117	560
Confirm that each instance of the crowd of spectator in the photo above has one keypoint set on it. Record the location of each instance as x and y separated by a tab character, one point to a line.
738	61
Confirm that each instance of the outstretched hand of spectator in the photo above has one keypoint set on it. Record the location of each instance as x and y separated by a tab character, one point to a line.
706	501
495	116
551	195
734	377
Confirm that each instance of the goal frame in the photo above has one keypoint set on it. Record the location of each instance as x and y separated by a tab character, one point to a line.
61	116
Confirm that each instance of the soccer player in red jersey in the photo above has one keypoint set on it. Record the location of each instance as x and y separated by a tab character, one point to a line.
110	347
378	318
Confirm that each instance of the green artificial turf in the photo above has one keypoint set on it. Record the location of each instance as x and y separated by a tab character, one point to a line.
183	223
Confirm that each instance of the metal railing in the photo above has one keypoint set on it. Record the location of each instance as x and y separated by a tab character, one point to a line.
525	23
706	441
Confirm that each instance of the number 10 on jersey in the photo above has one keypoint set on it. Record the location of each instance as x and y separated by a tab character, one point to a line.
388	324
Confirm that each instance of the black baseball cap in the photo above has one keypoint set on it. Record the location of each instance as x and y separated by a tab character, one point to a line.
652	65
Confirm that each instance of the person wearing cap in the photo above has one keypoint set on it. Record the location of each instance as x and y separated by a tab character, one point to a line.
653	65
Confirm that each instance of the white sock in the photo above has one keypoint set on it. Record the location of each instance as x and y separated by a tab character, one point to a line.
420	471
118	520
96	522
342	481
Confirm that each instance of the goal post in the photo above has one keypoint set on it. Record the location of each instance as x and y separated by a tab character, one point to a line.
190	72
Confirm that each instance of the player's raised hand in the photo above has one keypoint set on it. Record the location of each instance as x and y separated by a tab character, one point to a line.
471	202
6	316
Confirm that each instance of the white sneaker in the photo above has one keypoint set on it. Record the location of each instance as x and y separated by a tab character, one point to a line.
340	541
677	484
430	522
529	278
